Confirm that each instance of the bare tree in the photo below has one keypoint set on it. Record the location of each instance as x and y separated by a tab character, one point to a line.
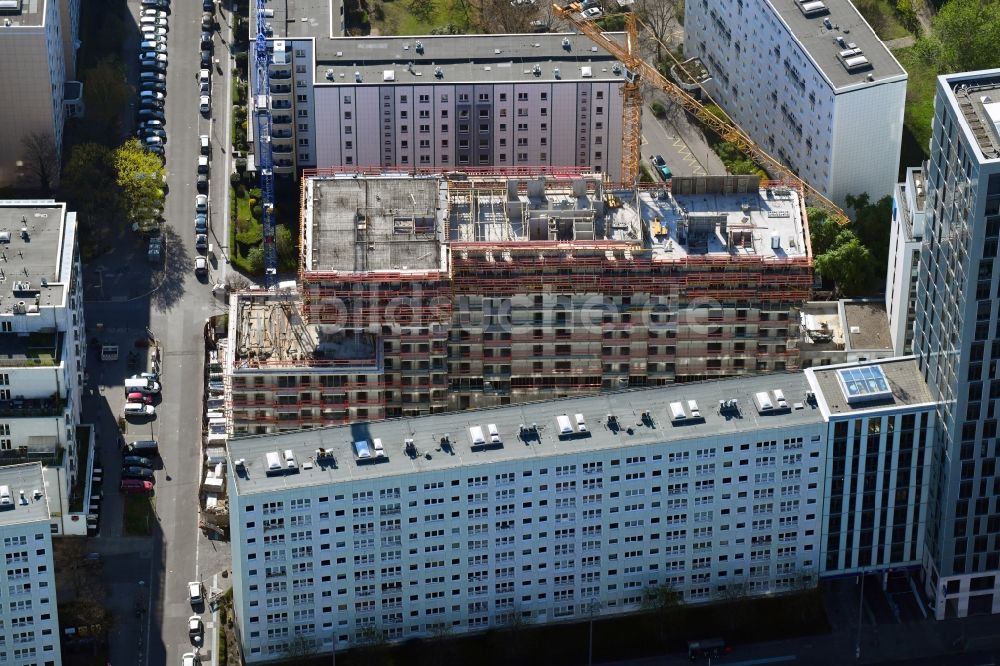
661	19
40	158
503	16
660	602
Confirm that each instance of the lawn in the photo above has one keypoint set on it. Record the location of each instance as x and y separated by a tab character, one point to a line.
139	515
244	231
398	17
882	17
919	114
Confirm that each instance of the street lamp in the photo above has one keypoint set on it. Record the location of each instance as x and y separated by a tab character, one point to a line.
592	608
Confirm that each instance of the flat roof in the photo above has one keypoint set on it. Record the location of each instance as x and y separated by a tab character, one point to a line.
976	98
36	254
427	431
907	387
374	224
820	42
270	333
398	222
26	478
22	13
450	59
867	325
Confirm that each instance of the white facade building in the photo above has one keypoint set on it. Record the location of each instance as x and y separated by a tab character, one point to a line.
905	238
37	57
439	102
460	520
42	342
29	620
810	82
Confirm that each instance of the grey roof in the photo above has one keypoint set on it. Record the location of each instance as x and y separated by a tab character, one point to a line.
44	253
30	15
27	478
821	45
462	59
906	383
427	431
975	96
871	322
300	19
403	227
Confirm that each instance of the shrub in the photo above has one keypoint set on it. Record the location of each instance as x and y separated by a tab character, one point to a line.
658	109
256	211
235	180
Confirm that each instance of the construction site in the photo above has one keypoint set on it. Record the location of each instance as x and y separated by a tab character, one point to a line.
422	293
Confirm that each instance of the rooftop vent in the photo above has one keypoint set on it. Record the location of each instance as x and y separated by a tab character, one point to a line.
438	72
854	60
581	425
419	46
779	397
763	401
273	463
357	77
389	75
677	412
537	70
10	7
566	43
4	236
588	72
290	464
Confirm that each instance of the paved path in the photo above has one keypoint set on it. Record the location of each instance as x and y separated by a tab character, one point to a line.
900	43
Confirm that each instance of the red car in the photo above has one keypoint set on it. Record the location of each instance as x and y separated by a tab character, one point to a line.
135	487
139	397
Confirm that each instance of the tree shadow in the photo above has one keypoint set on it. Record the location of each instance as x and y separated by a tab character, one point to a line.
178	264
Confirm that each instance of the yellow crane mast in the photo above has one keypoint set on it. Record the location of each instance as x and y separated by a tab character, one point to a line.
637	70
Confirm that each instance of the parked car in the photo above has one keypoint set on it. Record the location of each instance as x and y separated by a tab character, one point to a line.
201	204
204	144
661	167
206	39
195	628
153	86
201	242
206	58
137	461
152	32
155	13
136	396
204	89
151	114
151	376
208	6
190	659
136	472
200	266
195	591
202	183
153	66
203	164
207	22
151	125
149	103
162	5
135	487
201	224
138	409
204	75
592	13
153	48
155	21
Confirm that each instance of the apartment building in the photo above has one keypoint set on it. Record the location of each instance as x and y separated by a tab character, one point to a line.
905	239
957	342
554	509
29	619
38	43
438	102
844	331
42	342
425	294
810	82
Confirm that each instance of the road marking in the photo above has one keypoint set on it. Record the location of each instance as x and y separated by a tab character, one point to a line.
644	139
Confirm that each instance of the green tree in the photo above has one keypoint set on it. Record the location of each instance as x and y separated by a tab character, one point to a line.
968	32
255	260
107	94
823	235
140	176
849	264
91	188
872	222
285	244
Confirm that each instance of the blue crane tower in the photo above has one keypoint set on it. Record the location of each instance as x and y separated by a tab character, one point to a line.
265	161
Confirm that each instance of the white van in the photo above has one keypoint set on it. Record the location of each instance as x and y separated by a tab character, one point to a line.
142	385
138	409
6	501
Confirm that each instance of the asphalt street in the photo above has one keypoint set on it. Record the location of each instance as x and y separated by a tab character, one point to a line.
127	300
678	140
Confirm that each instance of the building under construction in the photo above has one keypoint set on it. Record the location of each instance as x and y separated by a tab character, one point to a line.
427	293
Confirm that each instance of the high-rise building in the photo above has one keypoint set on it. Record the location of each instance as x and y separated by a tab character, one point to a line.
42	342
426	294
437	102
905	238
38	41
957	342
810	82
550	511
29	618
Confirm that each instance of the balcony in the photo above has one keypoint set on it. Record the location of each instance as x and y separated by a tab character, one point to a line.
282	104
35	350
31	407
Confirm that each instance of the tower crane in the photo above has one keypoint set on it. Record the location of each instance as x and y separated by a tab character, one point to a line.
637	70
262	98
